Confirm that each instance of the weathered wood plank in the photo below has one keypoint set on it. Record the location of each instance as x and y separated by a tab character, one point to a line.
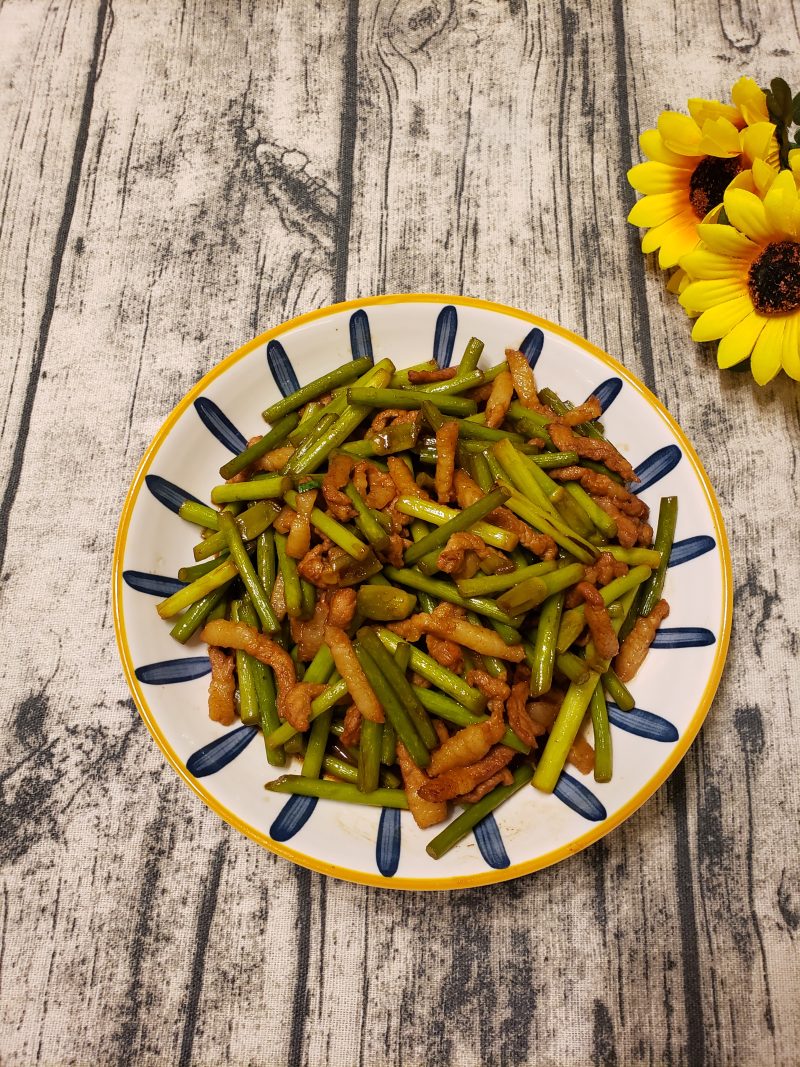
192	180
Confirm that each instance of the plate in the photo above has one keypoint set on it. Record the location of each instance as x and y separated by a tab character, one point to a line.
226	766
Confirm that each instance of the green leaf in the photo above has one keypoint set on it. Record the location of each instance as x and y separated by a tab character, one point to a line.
797	137
782	96
722	218
796	110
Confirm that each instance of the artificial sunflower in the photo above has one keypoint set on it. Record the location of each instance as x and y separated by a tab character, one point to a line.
745	279
692	159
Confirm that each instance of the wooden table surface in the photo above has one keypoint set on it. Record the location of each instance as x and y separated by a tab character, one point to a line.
179	176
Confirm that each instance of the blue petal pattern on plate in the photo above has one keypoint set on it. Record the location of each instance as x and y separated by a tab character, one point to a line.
444	336
292	817
690	548
576	796
169	671
215	420
657	466
282	369
607	392
531	347
218	754
683	637
642	723
154	584
387	847
167	493
360	337
487	834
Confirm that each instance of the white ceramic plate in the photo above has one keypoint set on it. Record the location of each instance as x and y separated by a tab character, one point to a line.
227	766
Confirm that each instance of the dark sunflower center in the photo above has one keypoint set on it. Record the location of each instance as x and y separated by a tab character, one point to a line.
710	179
774	279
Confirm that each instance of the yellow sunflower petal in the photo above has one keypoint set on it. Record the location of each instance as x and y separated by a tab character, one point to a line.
790	357
677	281
653	238
705	264
779	204
746	213
717	321
702	295
652	144
758	142
794	164
719	138
701	109
743	180
680	133
658	178
762	174
765	361
653	210
750	100
726	240
738	344
679	239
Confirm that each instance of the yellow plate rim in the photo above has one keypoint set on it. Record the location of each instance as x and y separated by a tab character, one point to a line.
362	877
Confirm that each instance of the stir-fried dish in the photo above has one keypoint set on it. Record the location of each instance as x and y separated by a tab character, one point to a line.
425	584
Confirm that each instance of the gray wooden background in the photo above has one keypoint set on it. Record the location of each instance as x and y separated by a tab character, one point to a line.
176	177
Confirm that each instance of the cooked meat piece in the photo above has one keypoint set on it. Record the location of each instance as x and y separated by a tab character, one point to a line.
451	558
338	475
222	687
461	779
308	634
601	485
343	607
598	449
604	569
627	528
297	706
283	523
504	777
469	745
599	621
375	486
538	543
587	411
438	374
524	381
492	688
426	813
441	731
351	734
448	653
477	638
403	478
316	566
446	444
391	415
408	629
518	718
299	540
275	460
394	552
349	667
238	635
634	648
581	755
499	399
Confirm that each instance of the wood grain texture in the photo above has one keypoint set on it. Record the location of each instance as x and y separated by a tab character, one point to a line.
177	177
